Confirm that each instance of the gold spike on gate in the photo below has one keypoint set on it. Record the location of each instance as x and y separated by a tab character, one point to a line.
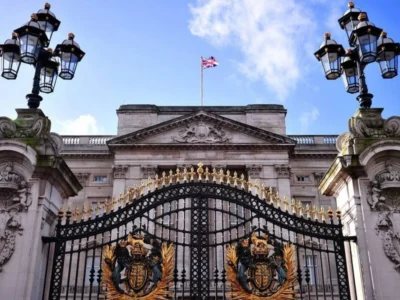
156	182
315	213
308	211
200	171
163	179
185	175
142	187
330	212
98	208
214	175
76	214
207	175
242	182
221	176
149	184
271	196
171	177
90	211
285	203
294	207
228	177
235	179
192	174
263	192
323	215
177	175
300	209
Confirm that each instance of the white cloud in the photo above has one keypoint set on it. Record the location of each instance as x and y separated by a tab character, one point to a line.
274	37
307	118
82	125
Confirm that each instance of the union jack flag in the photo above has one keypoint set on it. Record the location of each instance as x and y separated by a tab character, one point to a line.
210	62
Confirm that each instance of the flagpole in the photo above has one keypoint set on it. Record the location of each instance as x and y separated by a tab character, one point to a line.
201	80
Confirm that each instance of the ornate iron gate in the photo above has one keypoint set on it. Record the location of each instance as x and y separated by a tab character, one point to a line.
198	235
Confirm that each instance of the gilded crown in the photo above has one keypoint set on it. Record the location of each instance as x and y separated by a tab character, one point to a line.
137	245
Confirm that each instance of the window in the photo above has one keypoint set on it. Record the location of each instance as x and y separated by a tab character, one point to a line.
303	178
310	262
96	267
99	178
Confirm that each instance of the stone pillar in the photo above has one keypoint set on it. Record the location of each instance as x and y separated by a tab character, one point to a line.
34	181
365	179
119	179
283	175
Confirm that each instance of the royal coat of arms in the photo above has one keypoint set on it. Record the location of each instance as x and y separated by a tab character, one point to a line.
261	268
139	268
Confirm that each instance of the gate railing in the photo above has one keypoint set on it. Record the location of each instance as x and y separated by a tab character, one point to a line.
83	233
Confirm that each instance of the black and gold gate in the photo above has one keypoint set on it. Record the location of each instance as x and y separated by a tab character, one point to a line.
197	234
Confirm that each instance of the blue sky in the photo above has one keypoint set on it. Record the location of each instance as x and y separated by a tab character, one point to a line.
148	52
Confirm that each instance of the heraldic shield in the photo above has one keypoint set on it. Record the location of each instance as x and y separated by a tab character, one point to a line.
260	267
139	268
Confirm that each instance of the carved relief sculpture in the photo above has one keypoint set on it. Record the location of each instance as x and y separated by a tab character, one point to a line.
384	197
14	197
201	133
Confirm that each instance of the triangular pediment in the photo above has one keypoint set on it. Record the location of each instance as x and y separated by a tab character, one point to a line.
201	128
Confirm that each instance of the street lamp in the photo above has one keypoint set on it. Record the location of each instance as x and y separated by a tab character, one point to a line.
28	45
369	43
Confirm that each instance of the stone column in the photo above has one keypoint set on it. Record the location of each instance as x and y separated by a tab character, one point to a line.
283	175
119	179
34	181
365	179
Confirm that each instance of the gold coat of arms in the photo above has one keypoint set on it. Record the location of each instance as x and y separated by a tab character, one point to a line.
139	268
261	268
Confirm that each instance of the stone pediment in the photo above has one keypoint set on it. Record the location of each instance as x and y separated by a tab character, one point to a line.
201	128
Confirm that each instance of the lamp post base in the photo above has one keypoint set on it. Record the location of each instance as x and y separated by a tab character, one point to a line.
33	100
365	100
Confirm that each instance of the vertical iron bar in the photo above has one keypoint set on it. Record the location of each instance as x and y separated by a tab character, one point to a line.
322	267
100	271
329	266
77	268
84	270
92	271
216	250
352	268
69	268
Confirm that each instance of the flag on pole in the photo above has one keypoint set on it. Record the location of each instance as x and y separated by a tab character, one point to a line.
210	62
206	63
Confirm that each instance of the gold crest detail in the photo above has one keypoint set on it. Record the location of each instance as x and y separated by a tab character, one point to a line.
260	268
132	271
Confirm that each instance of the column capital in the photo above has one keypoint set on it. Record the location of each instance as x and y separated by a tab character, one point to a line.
283	171
149	170
254	171
119	171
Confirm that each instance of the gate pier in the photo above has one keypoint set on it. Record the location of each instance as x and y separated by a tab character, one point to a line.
34	181
365	179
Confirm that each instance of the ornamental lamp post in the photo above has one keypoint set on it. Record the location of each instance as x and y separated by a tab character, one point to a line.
28	44
369	43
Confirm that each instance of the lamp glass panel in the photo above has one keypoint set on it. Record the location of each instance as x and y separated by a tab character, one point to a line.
48	76
46	26
29	48
367	47
350	26
10	65
69	62
388	64
350	80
